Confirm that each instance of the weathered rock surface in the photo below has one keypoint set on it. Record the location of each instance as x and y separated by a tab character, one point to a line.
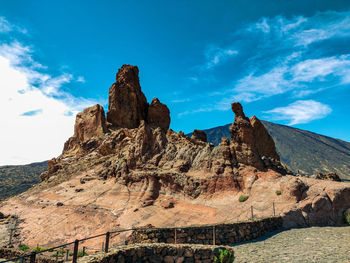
125	176
90	128
243	139
329	176
90	123
158	115
127	103
263	141
198	135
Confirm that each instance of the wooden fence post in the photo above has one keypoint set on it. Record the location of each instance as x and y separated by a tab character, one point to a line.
67	254
107	242
273	206
214	236
75	252
175	236
32	257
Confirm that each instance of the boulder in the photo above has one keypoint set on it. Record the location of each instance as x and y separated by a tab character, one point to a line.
127	103
329	176
263	141
198	135
158	115
243	138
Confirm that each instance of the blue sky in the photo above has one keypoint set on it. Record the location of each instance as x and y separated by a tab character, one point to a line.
285	61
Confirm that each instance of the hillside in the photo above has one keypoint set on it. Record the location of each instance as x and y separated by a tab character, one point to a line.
301	150
15	179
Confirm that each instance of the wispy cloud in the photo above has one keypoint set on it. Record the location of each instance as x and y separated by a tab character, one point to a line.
301	111
216	55
39	114
81	79
188	112
295	56
6	26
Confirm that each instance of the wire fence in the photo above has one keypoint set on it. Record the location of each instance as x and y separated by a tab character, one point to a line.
253	212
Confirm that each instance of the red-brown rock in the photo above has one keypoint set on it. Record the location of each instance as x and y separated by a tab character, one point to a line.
198	135
263	141
127	103
90	127
89	123
243	139
329	176
158	115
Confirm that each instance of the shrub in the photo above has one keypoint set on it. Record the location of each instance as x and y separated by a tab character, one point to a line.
278	192
80	254
243	198
38	249
225	256
23	247
347	216
56	254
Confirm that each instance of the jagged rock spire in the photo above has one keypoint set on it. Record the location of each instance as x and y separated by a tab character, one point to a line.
127	103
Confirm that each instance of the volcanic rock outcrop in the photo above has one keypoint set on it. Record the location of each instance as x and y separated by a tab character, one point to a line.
133	170
263	140
243	139
158	115
329	176
198	135
127	103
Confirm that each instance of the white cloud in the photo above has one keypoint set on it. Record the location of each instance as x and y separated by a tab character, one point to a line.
26	139
263	26
37	117
81	79
301	111
216	55
296	76
194	111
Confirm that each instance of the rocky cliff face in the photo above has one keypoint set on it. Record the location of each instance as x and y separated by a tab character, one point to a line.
158	115
127	103
263	141
140	171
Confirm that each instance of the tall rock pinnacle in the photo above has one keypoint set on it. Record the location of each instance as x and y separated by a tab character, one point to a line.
243	138
127	103
263	141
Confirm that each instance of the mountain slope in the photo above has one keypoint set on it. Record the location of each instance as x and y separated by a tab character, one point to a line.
15	179
301	150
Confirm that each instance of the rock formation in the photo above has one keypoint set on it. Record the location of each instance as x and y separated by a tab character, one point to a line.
123	174
127	103
90	127
158	115
89	123
243	139
263	141
198	135
329	176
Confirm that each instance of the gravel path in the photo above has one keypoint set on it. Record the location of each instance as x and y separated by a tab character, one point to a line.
314	244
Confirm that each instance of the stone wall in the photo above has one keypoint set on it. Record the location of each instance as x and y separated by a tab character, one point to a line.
8	253
224	234
168	253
